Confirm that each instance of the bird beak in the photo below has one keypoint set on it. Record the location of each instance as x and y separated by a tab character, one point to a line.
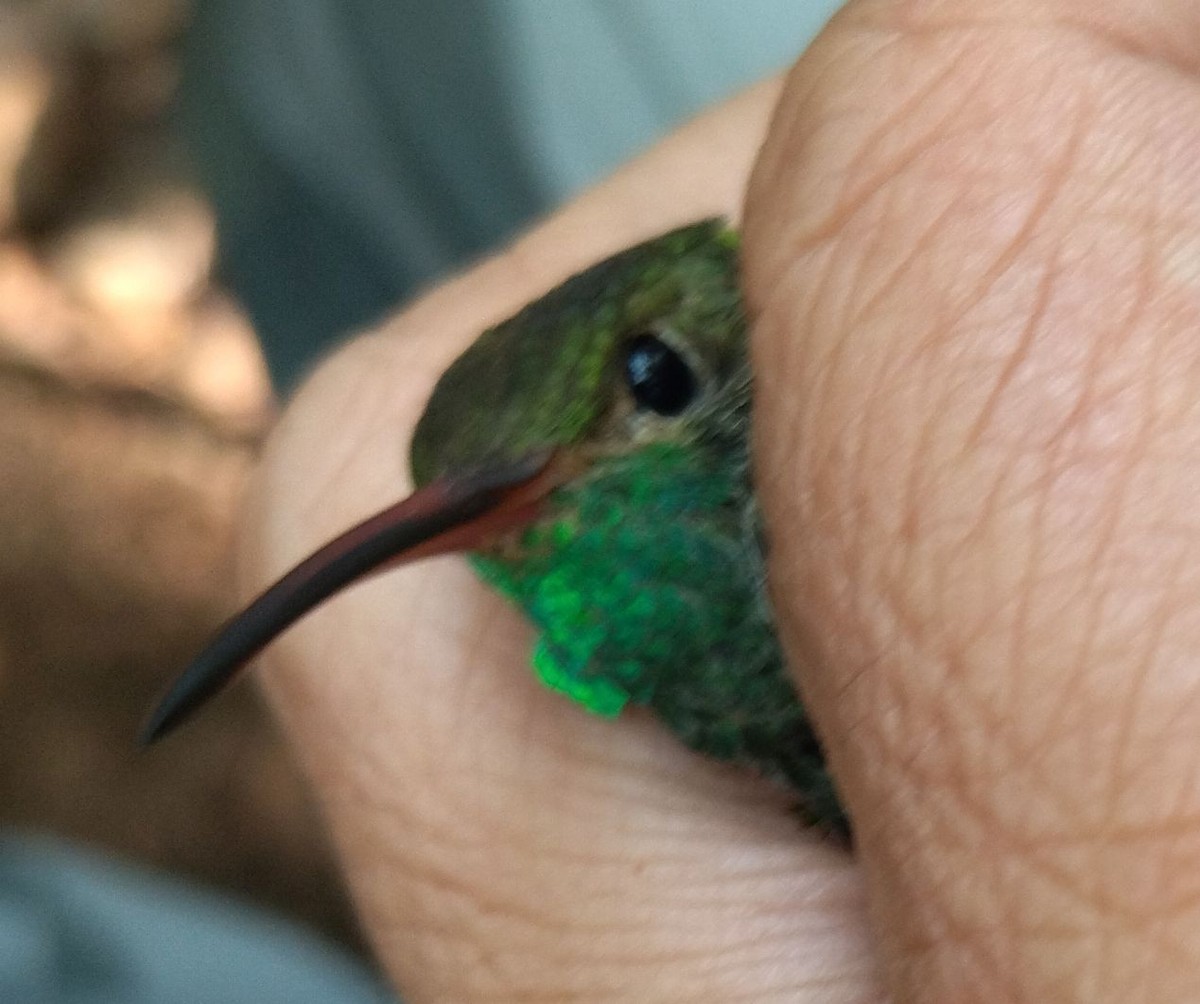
456	512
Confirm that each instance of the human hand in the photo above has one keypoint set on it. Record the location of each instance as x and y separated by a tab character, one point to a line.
969	249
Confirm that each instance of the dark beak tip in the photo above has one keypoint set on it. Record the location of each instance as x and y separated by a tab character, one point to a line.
167	714
151	731
432	514
146	737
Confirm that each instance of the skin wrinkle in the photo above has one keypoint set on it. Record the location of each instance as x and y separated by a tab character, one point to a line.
1141	444
861	466
655	963
1020	632
1123	160
1120	770
1013	897
936	133
846	207
1178	820
856	462
808	106
1108	529
1125	920
1027	592
859	183
983	819
809	113
1054	177
642	959
989	965
813	405
873	307
900	576
813	120
1115	37
624	816
855	193
1151	37
533	921
1020	353
535	927
1075	449
816	408
686	849
439	841
625	779
923	468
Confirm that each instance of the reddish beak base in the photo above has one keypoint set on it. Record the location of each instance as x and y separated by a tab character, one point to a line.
453	513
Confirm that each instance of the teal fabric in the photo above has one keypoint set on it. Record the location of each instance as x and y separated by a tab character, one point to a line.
359	149
77	928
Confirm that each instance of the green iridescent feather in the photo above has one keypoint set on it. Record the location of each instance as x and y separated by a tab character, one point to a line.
645	573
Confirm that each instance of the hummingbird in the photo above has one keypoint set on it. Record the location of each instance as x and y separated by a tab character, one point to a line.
591	456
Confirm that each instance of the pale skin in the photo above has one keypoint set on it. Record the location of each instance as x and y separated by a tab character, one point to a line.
972	256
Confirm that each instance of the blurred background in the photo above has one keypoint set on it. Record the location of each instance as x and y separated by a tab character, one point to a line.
132	399
197	198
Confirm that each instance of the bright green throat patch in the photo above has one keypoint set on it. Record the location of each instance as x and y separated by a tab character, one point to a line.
636	580
598	695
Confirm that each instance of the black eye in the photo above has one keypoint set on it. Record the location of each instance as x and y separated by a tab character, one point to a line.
659	378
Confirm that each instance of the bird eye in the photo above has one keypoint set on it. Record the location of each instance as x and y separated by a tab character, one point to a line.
659	378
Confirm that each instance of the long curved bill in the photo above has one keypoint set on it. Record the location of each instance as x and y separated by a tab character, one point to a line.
453	513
